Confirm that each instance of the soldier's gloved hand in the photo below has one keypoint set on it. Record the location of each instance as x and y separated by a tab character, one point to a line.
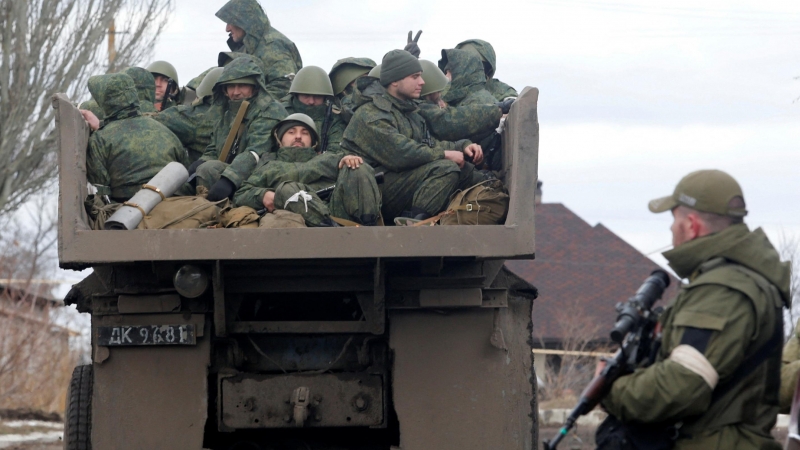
412	46
505	105
194	166
223	188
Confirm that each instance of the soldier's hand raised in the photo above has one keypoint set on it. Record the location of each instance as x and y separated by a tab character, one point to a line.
412	46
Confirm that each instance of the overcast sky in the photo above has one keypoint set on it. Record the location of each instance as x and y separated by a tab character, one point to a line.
634	95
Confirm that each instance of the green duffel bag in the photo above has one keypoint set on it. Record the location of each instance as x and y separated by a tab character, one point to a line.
486	203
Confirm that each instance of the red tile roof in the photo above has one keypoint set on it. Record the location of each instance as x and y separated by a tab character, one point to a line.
581	273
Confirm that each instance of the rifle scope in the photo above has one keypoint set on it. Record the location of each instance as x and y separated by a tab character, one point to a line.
647	294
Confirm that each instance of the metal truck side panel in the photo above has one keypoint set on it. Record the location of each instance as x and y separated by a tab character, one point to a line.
150	397
80	247
464	379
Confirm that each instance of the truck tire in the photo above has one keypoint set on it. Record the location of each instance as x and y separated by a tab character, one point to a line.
78	417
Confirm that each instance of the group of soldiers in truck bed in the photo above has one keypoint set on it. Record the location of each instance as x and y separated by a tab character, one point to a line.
425	130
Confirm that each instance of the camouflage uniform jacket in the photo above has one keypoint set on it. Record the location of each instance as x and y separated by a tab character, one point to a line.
145	90
303	165
468	86
390	133
278	55
129	149
496	87
473	122
730	309
317	113
263	114
193	124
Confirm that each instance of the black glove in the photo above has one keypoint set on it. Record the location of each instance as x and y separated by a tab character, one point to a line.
194	166
412	46
223	188
505	105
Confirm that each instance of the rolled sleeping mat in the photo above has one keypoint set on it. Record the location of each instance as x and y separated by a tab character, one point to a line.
161	186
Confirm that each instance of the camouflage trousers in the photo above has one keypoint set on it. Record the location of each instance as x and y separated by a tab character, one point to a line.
427	187
356	198
210	171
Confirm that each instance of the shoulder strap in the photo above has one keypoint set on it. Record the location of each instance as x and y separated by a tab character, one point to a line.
766	350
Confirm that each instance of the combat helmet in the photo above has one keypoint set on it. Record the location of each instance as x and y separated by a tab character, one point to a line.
206	87
375	72
311	80
164	68
292	120
347	70
435	80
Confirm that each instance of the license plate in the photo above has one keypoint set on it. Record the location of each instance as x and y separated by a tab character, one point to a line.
146	335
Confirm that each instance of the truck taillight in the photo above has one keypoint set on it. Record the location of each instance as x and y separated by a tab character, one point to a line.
190	281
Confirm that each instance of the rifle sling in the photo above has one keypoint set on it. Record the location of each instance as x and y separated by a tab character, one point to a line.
232	135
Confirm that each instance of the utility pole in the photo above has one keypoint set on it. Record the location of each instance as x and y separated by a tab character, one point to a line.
112	49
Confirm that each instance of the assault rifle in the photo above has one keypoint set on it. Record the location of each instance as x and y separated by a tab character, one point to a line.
324	193
326	127
171	86
634	331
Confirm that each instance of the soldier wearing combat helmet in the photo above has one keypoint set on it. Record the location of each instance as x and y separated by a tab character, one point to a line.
167	84
240	80
343	77
311	94
291	180
716	377
497	88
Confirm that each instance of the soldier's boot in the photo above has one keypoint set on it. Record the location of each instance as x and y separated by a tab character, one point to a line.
209	173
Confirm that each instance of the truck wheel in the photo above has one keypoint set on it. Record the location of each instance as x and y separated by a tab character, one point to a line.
78	418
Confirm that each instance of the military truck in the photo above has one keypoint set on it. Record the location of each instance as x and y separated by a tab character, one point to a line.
412	338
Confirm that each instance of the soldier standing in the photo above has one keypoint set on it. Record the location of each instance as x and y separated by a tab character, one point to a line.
291	180
240	80
497	88
716	378
251	33
128	149
388	133
311	94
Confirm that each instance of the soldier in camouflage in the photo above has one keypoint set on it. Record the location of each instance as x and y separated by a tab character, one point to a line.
717	373
129	149
291	180
145	89
388	133
497	88
251	33
311	94
467	79
166	77
343	77
449	122
194	123
240	80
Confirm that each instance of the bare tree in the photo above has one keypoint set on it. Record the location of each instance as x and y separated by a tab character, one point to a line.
52	46
789	249
38	345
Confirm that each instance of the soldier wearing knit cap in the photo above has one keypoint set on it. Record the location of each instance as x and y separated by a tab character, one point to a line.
386	130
